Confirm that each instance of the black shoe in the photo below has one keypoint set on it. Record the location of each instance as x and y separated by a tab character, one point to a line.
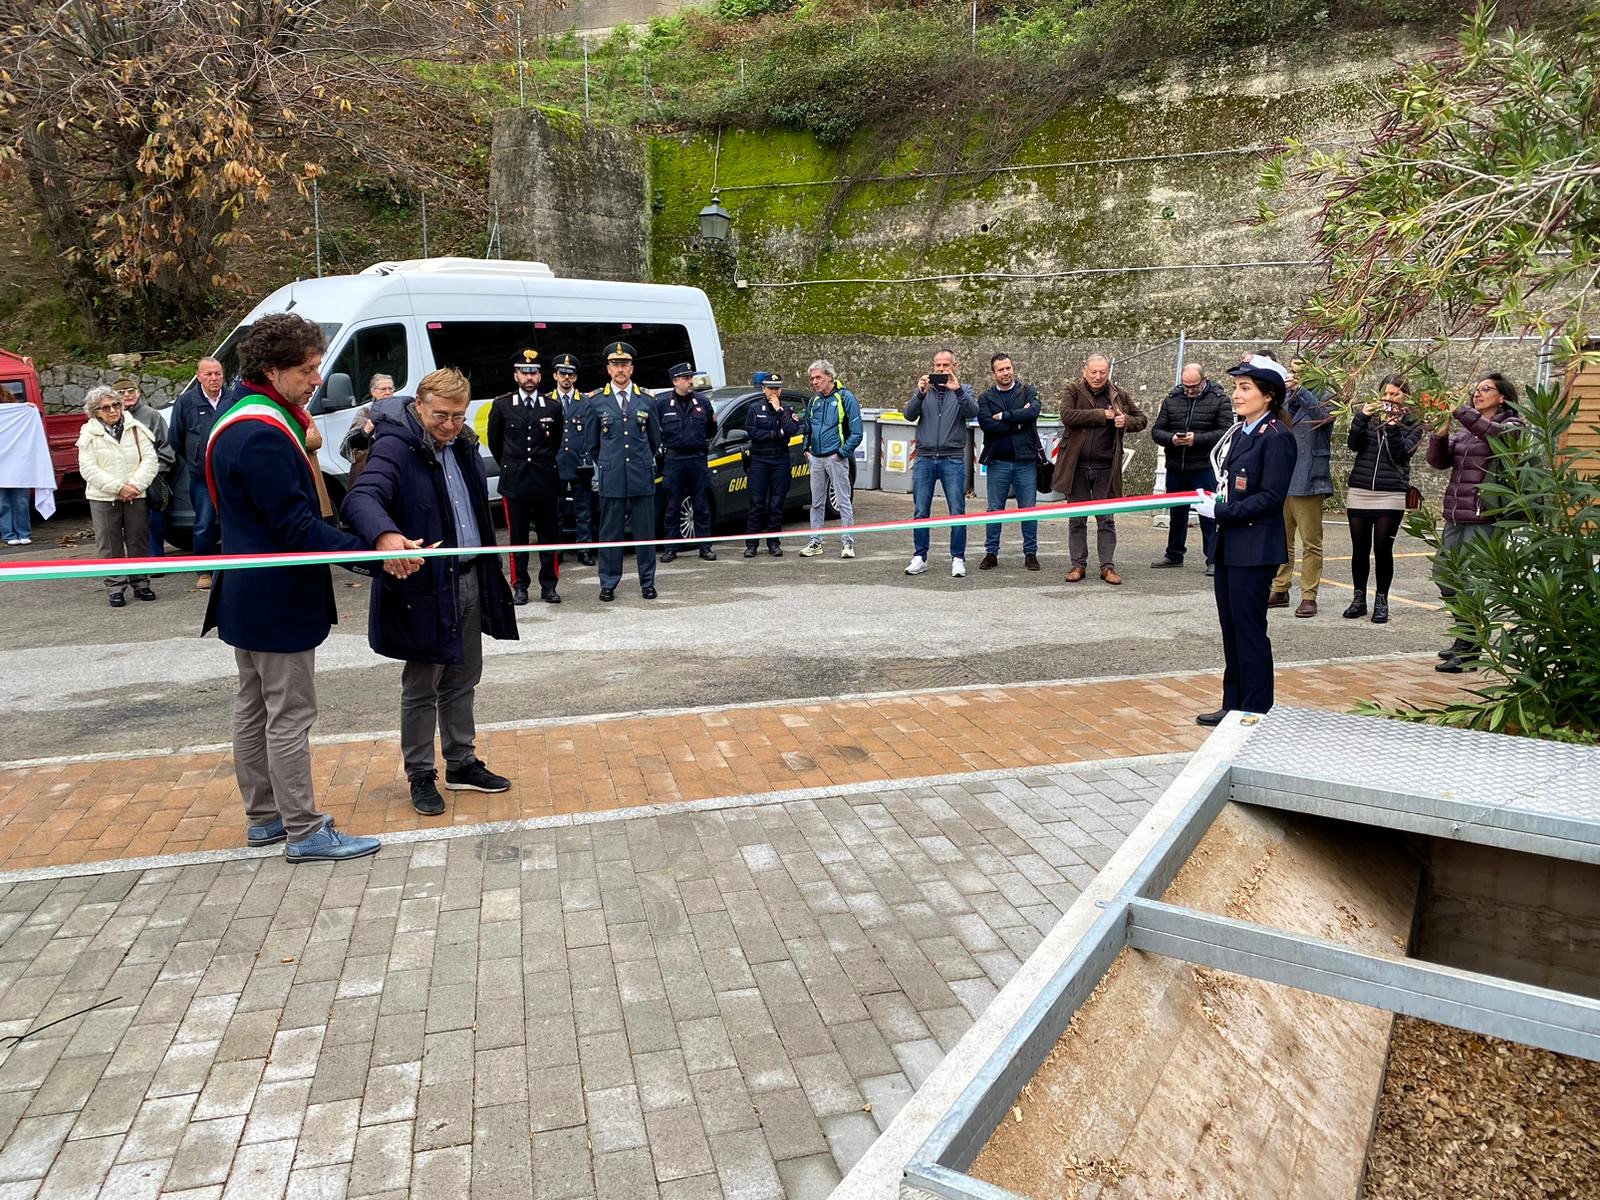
1211	718
425	797
143	593
607	595
1357	608
519	595
1456	648
1380	609
669	556
1031	561
1162	564
649	593
775	551
475	777
1211	570
751	551
116	599
707	553
548	595
586	558
1454	666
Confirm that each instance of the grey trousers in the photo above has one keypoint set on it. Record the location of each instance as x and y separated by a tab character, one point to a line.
1455	537
439	696
1091	483
838	471
121	530
272	718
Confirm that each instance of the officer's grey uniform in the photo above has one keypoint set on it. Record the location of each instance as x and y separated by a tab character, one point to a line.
623	445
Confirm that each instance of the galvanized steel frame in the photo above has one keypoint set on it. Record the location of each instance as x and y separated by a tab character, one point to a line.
1497	1007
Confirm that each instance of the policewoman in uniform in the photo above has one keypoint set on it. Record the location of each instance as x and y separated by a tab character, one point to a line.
524	437
771	425
1254	462
623	438
572	460
687	427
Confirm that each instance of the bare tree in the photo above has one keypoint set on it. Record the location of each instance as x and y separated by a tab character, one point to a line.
144	128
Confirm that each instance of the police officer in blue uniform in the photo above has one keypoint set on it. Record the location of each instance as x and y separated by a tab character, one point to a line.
687	427
623	438
525	432
771	424
572	460
1254	462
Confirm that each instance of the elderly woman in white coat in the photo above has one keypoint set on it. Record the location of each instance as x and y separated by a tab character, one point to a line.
118	460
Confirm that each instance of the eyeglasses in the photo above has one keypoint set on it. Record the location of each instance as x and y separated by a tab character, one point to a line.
438	418
1485	387
565	371
109	408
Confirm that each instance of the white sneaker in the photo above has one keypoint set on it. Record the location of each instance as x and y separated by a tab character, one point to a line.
958	568
24	541
811	550
849	550
918	566
13	541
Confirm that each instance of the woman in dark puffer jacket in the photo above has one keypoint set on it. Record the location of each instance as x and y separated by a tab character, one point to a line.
1384	437
1465	451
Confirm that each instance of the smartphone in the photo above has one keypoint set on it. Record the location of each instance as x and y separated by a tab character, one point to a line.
939	379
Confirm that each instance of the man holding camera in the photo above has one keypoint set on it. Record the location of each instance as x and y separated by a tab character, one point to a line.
941	407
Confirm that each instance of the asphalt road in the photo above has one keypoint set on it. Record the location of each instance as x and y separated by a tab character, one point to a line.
79	677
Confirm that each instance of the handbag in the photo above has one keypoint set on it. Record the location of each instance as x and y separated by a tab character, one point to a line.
159	494
1047	473
1413	497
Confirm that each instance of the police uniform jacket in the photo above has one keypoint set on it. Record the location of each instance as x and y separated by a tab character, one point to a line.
574	452
524	437
770	432
624	450
687	423
1256	474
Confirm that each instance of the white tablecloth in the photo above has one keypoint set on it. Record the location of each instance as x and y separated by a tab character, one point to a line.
25	456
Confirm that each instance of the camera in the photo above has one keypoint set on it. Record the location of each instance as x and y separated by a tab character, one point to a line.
939	379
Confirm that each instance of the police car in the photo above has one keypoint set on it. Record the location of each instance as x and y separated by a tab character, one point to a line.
729	458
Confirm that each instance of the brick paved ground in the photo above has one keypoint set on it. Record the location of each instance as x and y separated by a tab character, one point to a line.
176	803
700	1004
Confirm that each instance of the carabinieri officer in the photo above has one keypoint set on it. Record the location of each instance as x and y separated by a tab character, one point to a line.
623	438
524	435
1254	462
687	427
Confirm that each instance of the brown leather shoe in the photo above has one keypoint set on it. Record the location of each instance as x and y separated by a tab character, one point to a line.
1031	561
1076	575
1109	574
1278	600
989	563
1308	608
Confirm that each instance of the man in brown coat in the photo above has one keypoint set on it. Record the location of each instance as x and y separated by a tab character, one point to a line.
1095	413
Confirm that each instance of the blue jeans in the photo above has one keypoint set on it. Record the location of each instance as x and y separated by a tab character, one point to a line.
1005	477
207	531
951	472
1178	518
158	533
15	521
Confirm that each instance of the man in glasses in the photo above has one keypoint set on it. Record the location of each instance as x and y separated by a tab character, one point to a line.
159	495
425	480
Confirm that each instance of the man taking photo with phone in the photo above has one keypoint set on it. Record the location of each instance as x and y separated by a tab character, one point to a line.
941	407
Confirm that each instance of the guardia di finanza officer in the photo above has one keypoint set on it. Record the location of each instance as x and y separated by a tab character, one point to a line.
623	439
687	427
524	436
573	461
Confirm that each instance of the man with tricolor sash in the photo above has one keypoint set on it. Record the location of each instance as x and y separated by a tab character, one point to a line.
263	481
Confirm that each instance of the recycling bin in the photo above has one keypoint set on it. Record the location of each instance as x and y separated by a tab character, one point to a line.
897	450
867	452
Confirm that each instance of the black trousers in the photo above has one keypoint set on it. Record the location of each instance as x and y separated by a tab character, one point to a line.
543	512
614	512
582	504
768	485
687	475
1246	650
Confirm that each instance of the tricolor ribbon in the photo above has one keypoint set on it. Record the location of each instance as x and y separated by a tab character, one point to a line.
39	570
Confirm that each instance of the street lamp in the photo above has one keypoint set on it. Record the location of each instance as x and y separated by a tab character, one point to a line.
715	222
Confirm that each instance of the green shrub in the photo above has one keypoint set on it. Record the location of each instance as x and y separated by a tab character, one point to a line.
1529	597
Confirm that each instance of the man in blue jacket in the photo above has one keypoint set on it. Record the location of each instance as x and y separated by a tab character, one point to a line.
193	414
1008	413
260	475
831	428
1311	424
424	476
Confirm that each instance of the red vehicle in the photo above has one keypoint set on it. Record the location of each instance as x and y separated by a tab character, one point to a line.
19	378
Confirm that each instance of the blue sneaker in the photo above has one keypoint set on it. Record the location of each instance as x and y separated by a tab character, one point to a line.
269	834
329	845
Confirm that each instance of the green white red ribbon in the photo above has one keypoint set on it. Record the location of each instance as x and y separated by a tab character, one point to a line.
38	571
